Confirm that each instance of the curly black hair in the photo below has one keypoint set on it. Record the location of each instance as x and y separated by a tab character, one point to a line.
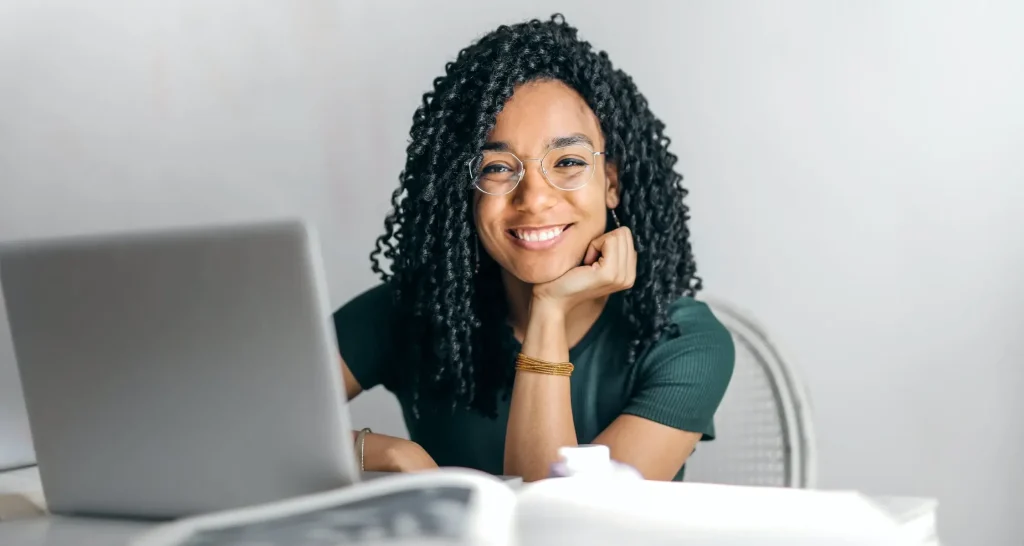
449	293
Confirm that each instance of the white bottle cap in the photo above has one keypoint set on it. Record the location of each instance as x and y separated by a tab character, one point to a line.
586	458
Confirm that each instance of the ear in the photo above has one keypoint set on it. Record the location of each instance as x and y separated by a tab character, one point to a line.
611	194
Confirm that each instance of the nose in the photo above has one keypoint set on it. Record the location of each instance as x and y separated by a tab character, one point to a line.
534	194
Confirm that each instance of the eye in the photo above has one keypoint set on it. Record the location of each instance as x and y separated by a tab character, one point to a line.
495	168
570	162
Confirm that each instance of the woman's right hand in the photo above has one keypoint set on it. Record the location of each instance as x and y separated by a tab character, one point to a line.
383	453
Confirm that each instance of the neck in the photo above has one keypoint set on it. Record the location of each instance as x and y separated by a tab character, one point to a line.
578	320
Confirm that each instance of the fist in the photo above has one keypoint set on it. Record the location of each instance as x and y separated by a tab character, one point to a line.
608	266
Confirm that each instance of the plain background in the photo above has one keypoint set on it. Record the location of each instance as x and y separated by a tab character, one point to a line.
856	168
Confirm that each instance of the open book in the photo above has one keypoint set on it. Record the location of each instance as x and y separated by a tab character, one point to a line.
454	506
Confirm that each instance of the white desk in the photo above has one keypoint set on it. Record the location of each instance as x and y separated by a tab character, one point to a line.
44	530
58	531
24	522
21	499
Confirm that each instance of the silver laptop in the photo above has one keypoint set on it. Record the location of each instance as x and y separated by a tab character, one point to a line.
177	372
15	439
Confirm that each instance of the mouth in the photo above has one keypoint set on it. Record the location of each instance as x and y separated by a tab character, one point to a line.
538	238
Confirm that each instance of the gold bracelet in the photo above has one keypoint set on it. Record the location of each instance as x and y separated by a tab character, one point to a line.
529	364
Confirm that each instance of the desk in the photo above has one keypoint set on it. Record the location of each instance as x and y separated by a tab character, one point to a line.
21	500
43	530
59	531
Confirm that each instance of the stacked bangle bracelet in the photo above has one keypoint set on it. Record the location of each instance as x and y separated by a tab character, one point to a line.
529	364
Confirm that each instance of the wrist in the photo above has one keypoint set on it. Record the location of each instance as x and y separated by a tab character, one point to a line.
547	309
545	336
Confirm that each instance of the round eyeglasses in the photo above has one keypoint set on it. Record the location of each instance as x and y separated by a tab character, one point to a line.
567	168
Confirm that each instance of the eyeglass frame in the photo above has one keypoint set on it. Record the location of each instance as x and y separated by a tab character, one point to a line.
543	171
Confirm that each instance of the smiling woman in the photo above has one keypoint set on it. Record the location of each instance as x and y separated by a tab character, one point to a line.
541	285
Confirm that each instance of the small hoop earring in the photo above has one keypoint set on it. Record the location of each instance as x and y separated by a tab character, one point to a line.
476	257
616	218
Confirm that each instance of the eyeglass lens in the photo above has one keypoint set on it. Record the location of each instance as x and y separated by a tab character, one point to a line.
567	168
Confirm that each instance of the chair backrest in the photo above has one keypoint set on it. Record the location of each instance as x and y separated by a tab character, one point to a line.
763	430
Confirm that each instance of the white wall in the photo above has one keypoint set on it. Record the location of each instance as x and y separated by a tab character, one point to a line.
856	173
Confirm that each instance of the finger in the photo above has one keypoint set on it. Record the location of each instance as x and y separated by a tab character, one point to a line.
627	255
610	263
592	254
627	236
595	250
614	249
631	266
631	258
616	276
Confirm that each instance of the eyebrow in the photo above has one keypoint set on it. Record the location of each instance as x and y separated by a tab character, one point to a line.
557	142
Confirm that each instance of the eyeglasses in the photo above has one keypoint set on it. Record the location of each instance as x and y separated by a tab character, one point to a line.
567	168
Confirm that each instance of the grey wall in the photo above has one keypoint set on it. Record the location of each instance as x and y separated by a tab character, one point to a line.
856	171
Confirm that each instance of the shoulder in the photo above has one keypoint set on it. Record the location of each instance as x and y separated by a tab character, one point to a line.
366	328
377	299
695	334
682	379
694	315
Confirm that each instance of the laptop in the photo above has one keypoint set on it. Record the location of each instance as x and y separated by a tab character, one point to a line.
178	371
15	439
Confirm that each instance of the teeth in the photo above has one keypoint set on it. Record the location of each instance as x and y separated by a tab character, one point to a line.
539	234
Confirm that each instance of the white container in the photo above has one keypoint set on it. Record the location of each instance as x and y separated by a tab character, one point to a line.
591	460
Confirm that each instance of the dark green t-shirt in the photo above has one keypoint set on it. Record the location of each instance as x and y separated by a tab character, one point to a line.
679	382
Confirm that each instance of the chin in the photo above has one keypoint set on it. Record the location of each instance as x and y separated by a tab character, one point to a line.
540	275
537	279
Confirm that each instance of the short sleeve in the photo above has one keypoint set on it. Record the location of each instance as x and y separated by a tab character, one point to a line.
366	329
680	382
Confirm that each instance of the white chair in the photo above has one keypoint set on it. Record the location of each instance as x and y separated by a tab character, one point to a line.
763	430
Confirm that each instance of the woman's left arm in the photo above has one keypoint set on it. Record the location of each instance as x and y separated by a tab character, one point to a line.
656	450
679	385
540	421
679	388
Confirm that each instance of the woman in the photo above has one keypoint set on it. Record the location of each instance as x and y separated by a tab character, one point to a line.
541	280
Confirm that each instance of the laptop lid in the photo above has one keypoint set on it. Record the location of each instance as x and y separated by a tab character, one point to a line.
15	440
175	372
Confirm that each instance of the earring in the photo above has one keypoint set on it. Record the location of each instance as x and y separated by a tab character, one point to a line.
616	218
476	257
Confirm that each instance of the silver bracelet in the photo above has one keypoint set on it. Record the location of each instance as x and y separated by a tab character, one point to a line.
360	445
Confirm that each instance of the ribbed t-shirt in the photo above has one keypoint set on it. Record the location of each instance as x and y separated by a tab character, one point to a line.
679	382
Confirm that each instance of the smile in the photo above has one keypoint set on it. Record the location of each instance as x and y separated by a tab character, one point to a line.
537	238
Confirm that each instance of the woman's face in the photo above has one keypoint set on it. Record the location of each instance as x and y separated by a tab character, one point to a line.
538	232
